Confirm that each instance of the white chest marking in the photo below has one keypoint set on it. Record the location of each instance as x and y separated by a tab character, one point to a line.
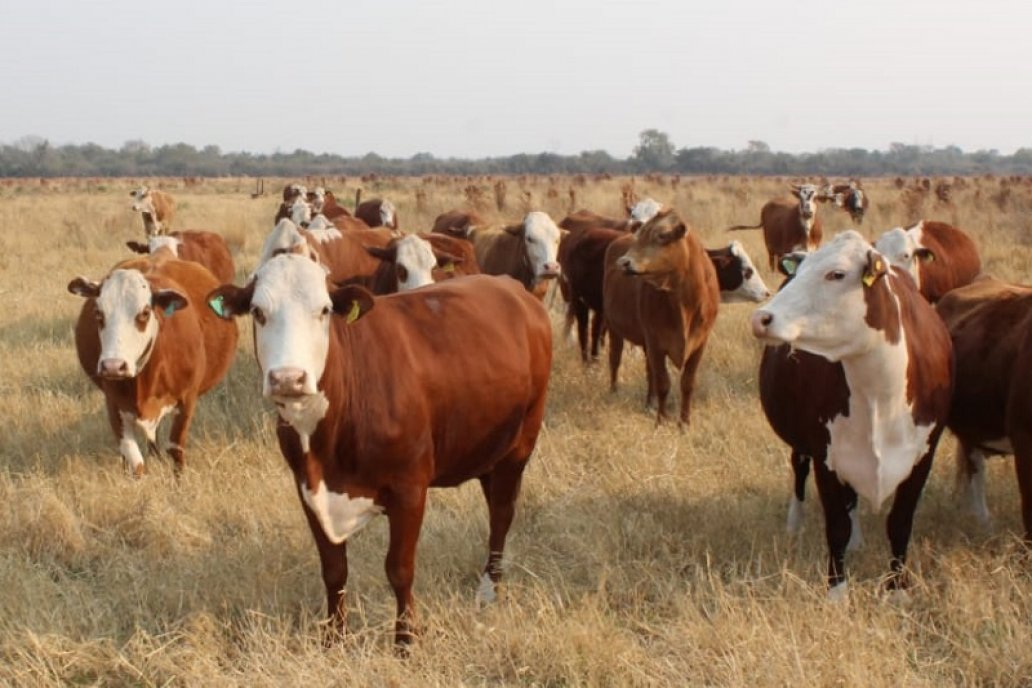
339	515
150	426
304	415
127	445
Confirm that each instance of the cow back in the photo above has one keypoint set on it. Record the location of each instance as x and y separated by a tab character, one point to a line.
208	249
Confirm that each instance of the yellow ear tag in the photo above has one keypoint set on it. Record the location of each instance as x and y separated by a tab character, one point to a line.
450	267
353	313
868	279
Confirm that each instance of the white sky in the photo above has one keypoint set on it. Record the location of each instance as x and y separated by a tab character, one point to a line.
473	78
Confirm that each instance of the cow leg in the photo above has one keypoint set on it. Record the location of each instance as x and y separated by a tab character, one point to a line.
970	463
688	373
501	489
581	313
615	354
659	378
901	517
800	469
122	426
1021	438
405	512
836	497
177	435
333	560
596	334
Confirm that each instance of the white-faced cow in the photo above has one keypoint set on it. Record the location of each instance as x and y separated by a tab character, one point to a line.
848	305
207	248
342	253
850	197
938	256
789	225
379	400
526	251
156	207
414	261
146	339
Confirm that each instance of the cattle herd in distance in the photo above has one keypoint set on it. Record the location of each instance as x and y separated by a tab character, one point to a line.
870	351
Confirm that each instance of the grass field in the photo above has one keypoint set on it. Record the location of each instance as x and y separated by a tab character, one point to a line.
639	556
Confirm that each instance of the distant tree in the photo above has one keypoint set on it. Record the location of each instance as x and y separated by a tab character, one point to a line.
654	152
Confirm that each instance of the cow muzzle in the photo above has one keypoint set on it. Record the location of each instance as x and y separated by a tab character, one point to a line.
113	369
627	265
287	382
549	271
761	322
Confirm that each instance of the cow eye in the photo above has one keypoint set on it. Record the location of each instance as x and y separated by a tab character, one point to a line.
258	314
100	319
748	273
325	311
143	316
835	275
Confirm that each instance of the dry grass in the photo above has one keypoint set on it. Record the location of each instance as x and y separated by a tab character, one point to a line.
640	555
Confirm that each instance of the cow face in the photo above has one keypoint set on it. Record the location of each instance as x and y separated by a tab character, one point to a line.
292	309
388	215
854	202
807	195
902	248
658	249
300	212
413	259
824	309
750	285
645	210
541	238
317	199
126	319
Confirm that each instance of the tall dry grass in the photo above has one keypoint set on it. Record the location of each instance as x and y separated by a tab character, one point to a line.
640	555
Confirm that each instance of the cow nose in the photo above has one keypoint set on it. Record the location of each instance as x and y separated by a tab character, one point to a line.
113	368
287	381
551	269
761	321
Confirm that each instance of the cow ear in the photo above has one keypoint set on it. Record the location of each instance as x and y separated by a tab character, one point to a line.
794	191
390	254
876	267
84	287
168	301
352	302
229	300
789	264
137	247
926	255
446	261
515	230
675	234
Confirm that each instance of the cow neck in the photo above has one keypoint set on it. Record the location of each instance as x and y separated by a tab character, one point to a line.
806	225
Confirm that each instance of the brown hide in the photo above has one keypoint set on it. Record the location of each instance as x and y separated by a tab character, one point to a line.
585	219
207	248
345	256
192	353
504	252
369	212
955	260
783	230
384	280
458	223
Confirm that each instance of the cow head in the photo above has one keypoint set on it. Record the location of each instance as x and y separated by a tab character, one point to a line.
835	304
317	199
300	212
658	250
903	249
292	311
286	238
738	277
414	260
128	312
807	195
644	210
855	202
541	242
388	214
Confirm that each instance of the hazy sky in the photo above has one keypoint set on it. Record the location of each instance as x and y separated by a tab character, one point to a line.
472	78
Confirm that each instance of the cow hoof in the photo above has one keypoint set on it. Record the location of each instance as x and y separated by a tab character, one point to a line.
839	594
140	471
487	592
794	522
899	597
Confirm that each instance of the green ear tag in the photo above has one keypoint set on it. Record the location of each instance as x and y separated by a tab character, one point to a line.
353	313
216	305
169	310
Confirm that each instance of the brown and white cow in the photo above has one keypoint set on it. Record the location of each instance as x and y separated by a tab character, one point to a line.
847	304
938	256
367	427
156	207
207	248
458	223
526	251
342	253
990	323
376	212
789	225
410	262
146	339
850	197
660	291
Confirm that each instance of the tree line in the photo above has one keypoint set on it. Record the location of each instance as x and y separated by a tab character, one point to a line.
655	153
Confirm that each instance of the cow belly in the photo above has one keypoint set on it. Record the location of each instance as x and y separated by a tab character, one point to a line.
339	514
875	458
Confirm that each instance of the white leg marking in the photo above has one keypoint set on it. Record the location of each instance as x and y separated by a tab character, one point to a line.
794	524
486	593
856	535
976	489
839	594
899	597
130	452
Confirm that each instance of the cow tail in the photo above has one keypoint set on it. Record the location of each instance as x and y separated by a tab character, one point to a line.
737	227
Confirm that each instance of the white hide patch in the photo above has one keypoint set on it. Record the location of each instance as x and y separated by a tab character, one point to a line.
127	446
150	427
646	209
156	243
303	414
794	522
123	295
542	236
339	515
839	594
387	213
898	246
753	289
486	593
322	229
416	255
856	533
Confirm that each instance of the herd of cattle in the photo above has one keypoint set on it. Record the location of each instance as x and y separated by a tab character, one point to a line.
392	372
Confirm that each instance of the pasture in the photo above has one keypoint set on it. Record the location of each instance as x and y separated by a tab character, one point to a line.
640	555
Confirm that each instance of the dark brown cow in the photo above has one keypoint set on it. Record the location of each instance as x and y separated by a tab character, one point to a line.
990	323
938	256
145	338
850	197
458	223
156	207
376	212
379	400
207	248
660	291
848	305
789	225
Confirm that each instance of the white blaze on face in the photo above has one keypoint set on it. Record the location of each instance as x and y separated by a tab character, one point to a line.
387	213
822	309
158	242
300	211
753	288
125	305
415	262
541	236
291	309
319	201
645	210
142	202
808	203
339	514
899	245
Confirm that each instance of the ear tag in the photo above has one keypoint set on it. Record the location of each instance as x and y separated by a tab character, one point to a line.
353	313
169	310
928	257
215	304
450	267
868	279
789	266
